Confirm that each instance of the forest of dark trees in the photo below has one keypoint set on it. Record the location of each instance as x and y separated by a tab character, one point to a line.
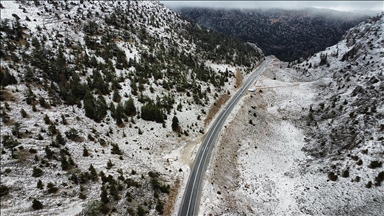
287	34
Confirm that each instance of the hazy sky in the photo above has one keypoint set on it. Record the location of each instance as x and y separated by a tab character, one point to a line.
377	6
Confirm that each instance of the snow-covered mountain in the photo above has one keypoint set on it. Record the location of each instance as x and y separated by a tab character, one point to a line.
97	94
310	141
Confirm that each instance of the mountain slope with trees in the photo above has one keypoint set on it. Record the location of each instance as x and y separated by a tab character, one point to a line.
287	34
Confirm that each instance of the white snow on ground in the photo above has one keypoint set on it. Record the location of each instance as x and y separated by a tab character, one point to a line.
260	169
267	154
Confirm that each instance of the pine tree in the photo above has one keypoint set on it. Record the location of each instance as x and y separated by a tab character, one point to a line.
89	105
94	175
119	114
36	205
104	195
116	96
85	152
129	107
60	139
175	123
40	184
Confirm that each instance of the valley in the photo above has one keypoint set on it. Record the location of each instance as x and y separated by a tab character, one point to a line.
105	105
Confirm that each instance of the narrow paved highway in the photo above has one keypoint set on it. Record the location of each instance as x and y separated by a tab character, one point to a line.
191	194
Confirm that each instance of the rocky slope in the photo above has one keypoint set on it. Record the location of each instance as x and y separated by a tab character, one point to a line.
96	94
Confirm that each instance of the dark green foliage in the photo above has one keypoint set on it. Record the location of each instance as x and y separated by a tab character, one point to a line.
85	151
16	129
332	176
93	173
10	143
6	78
129	107
153	174
119	114
52	188
49	153
43	103
159	206
375	164
323	59
37	172
116	149
4	190
345	174
369	184
72	134
95	109
152	112
60	139
47	120
140	211
36	205
52	130
109	164
114	192
40	184
116	96
104	195
82	196
298	35
23	113
175	123
65	165
379	178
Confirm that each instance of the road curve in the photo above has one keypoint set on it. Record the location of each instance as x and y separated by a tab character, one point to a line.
191	194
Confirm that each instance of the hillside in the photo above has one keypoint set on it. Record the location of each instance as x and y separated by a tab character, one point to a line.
95	95
287	34
310	141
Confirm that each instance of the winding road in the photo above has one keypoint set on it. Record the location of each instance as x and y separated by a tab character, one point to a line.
189	204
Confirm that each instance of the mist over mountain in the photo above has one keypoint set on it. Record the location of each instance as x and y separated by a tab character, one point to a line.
287	34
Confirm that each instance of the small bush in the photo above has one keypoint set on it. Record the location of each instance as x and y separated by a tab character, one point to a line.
375	164
23	113
82	196
36	205
345	174
40	184
369	184
332	176
72	134
37	172
359	162
4	190
51	188
379	178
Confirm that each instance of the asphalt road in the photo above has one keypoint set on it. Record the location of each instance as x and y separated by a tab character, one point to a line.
189	204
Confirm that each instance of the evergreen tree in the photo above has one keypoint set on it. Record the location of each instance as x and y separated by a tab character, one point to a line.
60	139
129	107
119	114
116	96
36	205
104	195
175	123
85	151
89	105
94	175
